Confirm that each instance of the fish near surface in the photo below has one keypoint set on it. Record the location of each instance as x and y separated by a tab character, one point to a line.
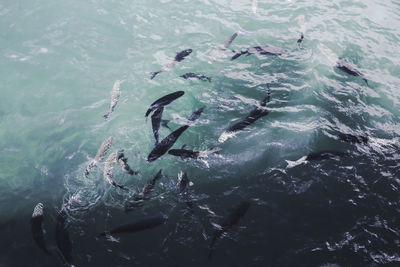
185	153
255	114
123	161
349	68
137	226
115	94
156	122
163	101
143	195
162	147
195	75
178	58
101	153
63	240
37	228
233	218
267	50
108	170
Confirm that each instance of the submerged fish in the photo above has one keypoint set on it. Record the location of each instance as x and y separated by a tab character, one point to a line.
108	169
254	115
194	75
101	153
124	164
262	50
137	226
63	240
156	121
346	66
185	153
178	58
37	228
236	214
163	101
353	138
318	155
144	194
115	94
216	53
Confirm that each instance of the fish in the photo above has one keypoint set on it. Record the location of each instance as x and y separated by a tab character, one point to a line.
184	182
233	218
137	226
123	161
142	195
353	138
185	153
255	114
162	147
115	94
37	228
194	75
63	240
156	121
178	58
262	50
349	68
108	170
318	155
163	101
216	53
101	153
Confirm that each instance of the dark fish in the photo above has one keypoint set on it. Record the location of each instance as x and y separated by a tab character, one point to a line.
63	241
326	154
194	75
195	115
162	147
183	188
37	228
137	226
163	101
156	121
254	115
236	214
300	40
143	195
178	58
353	138
185	153
124	164
349	68
262	50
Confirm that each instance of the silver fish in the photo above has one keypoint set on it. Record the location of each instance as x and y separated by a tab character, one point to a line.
108	169
115	94
101	153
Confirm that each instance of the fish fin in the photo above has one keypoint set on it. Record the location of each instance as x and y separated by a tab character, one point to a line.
153	74
165	123
106	116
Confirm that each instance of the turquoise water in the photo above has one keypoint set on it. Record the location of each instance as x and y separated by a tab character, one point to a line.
59	61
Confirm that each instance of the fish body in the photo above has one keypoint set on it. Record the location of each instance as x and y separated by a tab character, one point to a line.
353	138
108	170
115	94
267	50
349	68
123	161
101	153
233	218
37	228
185	153
137	226
143	195
194	75
63	240
163	101
178	58
255	114
156	121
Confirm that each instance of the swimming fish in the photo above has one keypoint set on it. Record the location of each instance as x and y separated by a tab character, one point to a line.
262	50
115	94
108	170
101	153
123	161
163	101
194	75
178	58
37	228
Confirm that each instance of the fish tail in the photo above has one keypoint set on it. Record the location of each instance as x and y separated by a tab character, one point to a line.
153	74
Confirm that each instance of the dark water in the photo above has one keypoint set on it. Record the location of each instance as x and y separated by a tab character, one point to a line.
59	64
